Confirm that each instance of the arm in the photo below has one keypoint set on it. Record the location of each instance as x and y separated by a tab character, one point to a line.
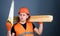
12	31
9	33
13	34
8	26
40	29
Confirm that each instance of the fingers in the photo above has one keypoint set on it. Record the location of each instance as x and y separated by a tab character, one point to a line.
40	22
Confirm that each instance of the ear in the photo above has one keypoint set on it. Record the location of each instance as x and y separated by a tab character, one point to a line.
18	15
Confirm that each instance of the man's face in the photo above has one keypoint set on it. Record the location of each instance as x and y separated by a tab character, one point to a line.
23	16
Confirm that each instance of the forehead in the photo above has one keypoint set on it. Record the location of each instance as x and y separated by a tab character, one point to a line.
23	13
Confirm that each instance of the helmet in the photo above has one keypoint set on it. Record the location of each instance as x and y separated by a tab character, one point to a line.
23	10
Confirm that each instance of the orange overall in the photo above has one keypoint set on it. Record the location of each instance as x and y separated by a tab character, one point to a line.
20	31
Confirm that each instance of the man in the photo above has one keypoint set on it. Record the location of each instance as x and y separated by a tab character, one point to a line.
24	27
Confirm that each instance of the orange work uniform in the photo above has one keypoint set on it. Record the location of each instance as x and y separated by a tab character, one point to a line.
21	31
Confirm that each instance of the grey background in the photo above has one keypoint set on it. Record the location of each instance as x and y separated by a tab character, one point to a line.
36	7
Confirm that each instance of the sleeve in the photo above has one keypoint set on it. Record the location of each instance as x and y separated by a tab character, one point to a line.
12	30
33	26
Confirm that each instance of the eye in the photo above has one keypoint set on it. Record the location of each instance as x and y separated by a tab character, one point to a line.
23	15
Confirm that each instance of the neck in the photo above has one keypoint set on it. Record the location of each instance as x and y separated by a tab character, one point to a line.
22	22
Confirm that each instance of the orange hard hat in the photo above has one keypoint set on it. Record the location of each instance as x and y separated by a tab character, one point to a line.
24	10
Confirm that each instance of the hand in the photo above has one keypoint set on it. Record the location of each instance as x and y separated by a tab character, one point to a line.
40	22
8	26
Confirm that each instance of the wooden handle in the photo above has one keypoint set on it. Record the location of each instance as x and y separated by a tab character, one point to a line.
41	18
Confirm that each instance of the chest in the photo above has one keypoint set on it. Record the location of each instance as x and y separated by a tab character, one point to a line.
20	29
